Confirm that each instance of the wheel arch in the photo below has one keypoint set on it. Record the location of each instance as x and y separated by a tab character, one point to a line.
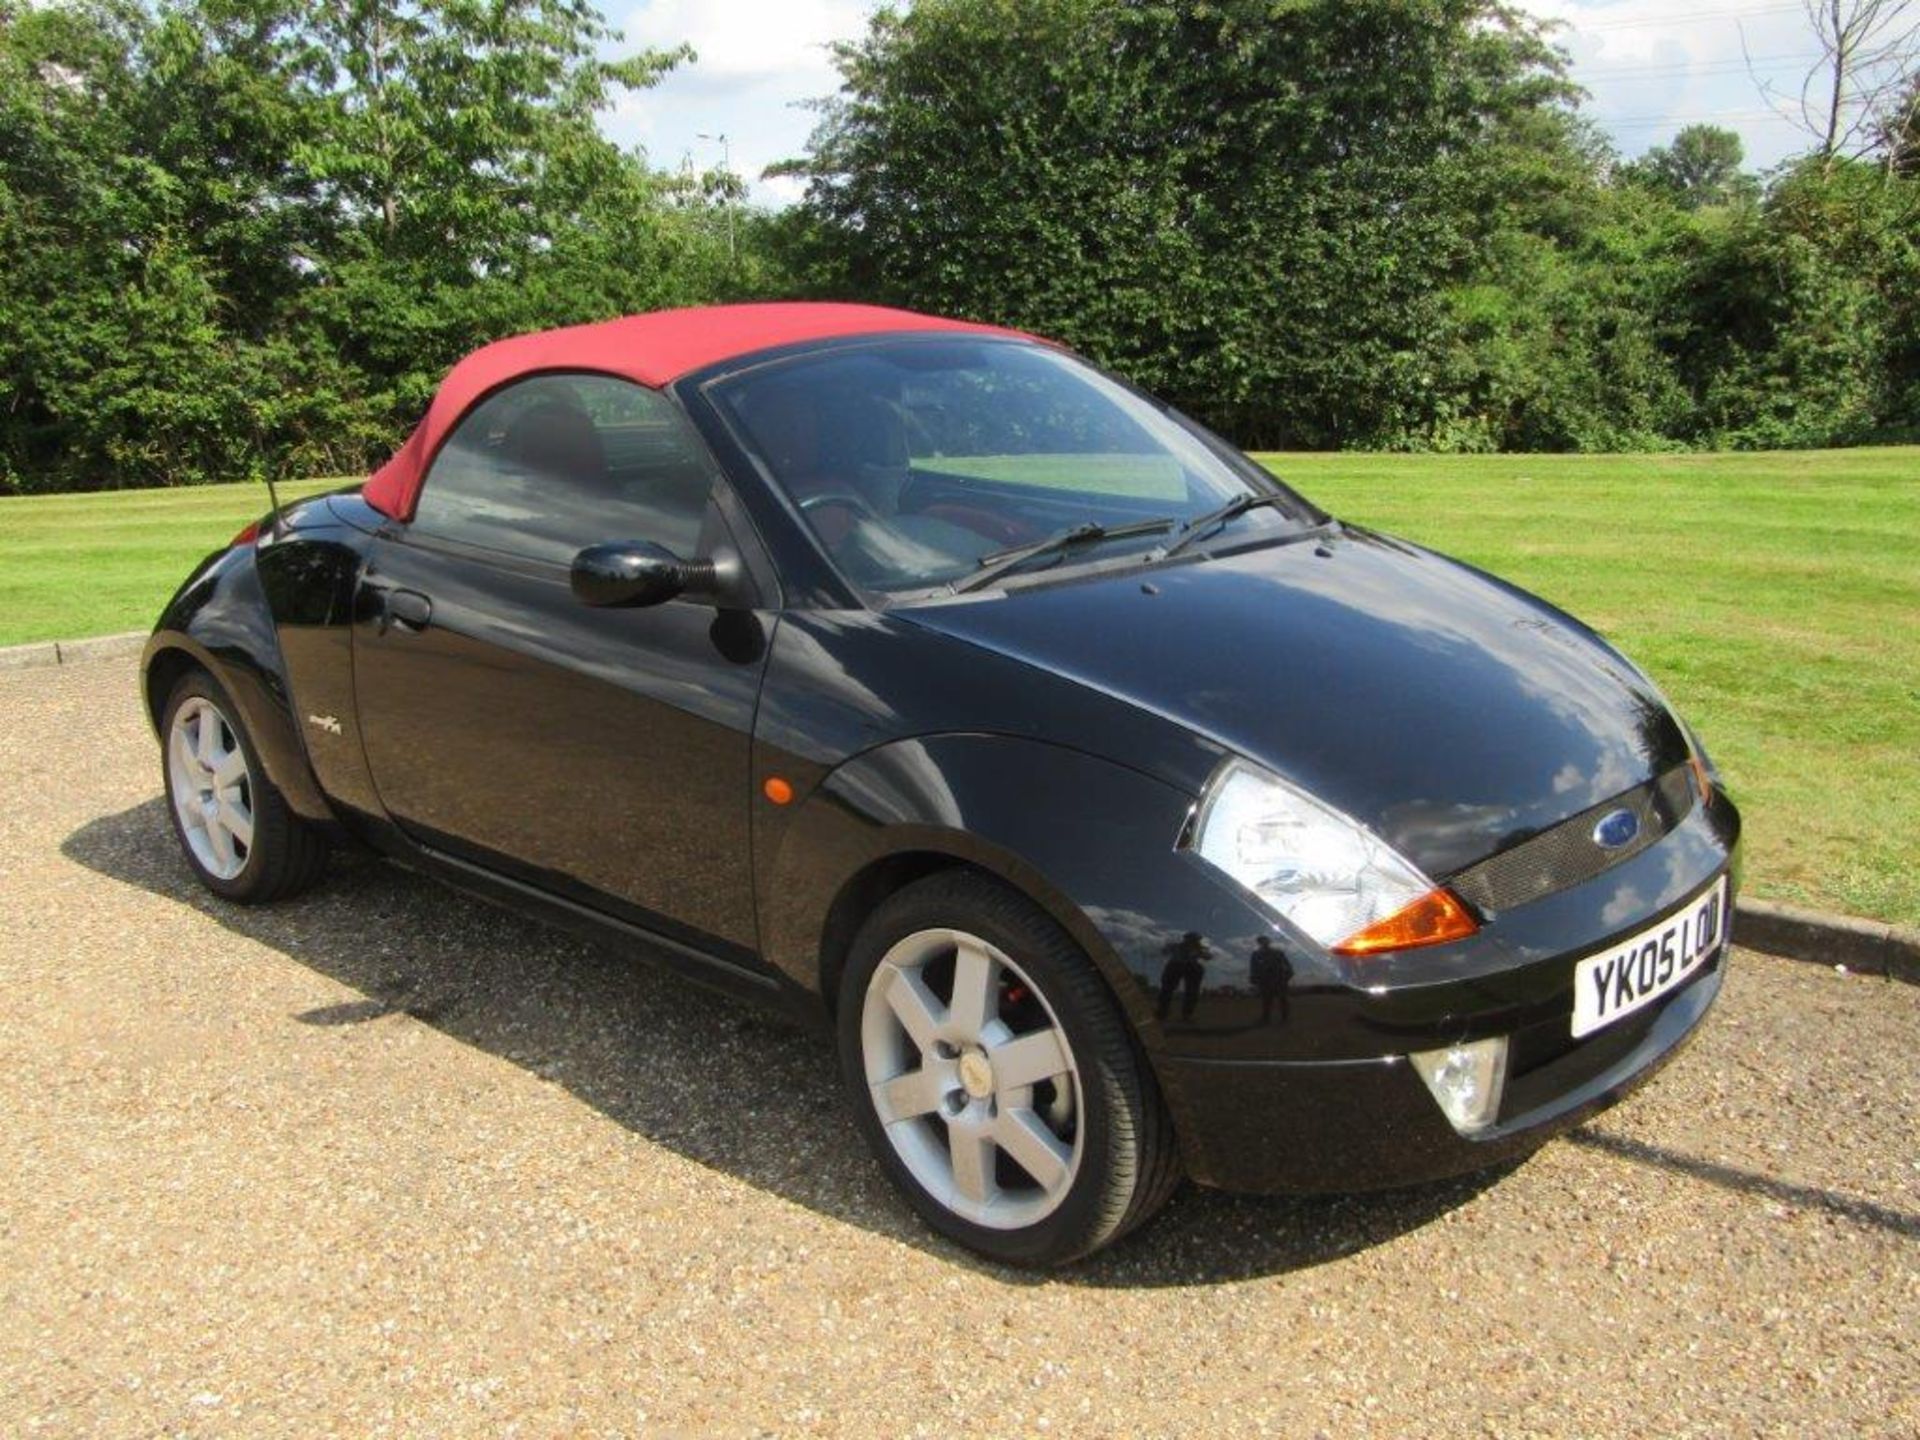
1002	805
860	895
166	665
1086	840
1074	834
258	693
221	621
868	888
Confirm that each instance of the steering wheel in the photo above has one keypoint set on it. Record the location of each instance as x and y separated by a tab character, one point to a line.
848	498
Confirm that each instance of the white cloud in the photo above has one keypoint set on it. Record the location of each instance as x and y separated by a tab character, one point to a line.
1653	66
760	62
751	39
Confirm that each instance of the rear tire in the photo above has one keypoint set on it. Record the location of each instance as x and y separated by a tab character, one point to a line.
240	837
995	1077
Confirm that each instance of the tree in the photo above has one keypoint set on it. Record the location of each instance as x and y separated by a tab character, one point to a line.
1796	321
114	262
463	119
1897	133
1703	166
455	145
1252	206
240	234
1867	54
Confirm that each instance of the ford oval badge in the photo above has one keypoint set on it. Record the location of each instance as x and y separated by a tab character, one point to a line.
1616	828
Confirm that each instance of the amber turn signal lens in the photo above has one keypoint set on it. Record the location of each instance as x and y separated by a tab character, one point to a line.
1435	918
777	790
1701	782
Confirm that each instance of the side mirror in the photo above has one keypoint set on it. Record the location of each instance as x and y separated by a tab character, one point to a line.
636	572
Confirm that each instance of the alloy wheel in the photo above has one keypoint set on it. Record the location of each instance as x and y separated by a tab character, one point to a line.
973	1079
212	788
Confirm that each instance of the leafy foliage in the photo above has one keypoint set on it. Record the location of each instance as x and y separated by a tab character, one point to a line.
249	234
1703	166
240	236
1233	202
1359	223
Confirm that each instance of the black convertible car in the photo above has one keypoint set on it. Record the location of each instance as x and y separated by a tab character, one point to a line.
1123	814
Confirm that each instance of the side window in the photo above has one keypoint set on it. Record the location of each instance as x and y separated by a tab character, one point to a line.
555	463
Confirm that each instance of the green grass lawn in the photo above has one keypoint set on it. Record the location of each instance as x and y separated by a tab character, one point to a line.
73	565
1775	597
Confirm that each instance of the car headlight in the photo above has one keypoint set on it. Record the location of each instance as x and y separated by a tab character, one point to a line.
1327	874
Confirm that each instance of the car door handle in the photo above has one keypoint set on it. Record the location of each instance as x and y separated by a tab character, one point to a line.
408	609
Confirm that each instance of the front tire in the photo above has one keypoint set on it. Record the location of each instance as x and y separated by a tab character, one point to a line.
995	1077
240	837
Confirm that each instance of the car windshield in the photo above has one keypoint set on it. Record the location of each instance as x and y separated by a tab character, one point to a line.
921	462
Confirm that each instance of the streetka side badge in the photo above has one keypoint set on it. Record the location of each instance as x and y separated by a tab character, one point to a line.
328	723
1616	828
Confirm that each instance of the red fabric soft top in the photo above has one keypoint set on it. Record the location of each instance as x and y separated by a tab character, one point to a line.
653	350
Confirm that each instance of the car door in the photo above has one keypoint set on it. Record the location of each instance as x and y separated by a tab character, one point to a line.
601	754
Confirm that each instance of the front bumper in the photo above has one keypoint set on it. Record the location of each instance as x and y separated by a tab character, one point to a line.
1371	1124
1307	1087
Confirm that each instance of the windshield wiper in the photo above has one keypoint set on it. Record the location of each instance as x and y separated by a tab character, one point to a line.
1191	532
993	566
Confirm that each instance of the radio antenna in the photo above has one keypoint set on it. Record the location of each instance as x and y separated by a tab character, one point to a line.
266	474
273	520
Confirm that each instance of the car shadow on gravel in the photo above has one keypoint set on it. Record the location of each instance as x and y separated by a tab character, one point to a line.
717	1082
1746	1182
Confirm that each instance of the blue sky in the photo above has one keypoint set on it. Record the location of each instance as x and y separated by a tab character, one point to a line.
1650	66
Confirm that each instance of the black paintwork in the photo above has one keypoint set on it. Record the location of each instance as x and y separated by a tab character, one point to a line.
1451	715
603	767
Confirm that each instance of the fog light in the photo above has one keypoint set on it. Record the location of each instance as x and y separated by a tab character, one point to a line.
1466	1080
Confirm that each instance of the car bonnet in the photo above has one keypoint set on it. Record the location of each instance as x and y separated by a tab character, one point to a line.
1447	711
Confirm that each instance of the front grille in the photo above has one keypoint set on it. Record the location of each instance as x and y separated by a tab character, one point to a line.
1563	855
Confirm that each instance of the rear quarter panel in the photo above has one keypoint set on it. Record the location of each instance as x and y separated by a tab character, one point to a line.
219	621
271	621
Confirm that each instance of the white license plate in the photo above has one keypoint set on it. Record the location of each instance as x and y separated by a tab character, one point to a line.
1637	971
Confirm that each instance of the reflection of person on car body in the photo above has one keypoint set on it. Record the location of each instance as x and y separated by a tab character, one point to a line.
1186	962
1271	973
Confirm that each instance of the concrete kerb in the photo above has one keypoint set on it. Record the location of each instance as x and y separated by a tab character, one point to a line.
1869	947
71	652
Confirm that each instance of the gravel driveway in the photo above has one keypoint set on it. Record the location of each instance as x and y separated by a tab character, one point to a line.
387	1161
